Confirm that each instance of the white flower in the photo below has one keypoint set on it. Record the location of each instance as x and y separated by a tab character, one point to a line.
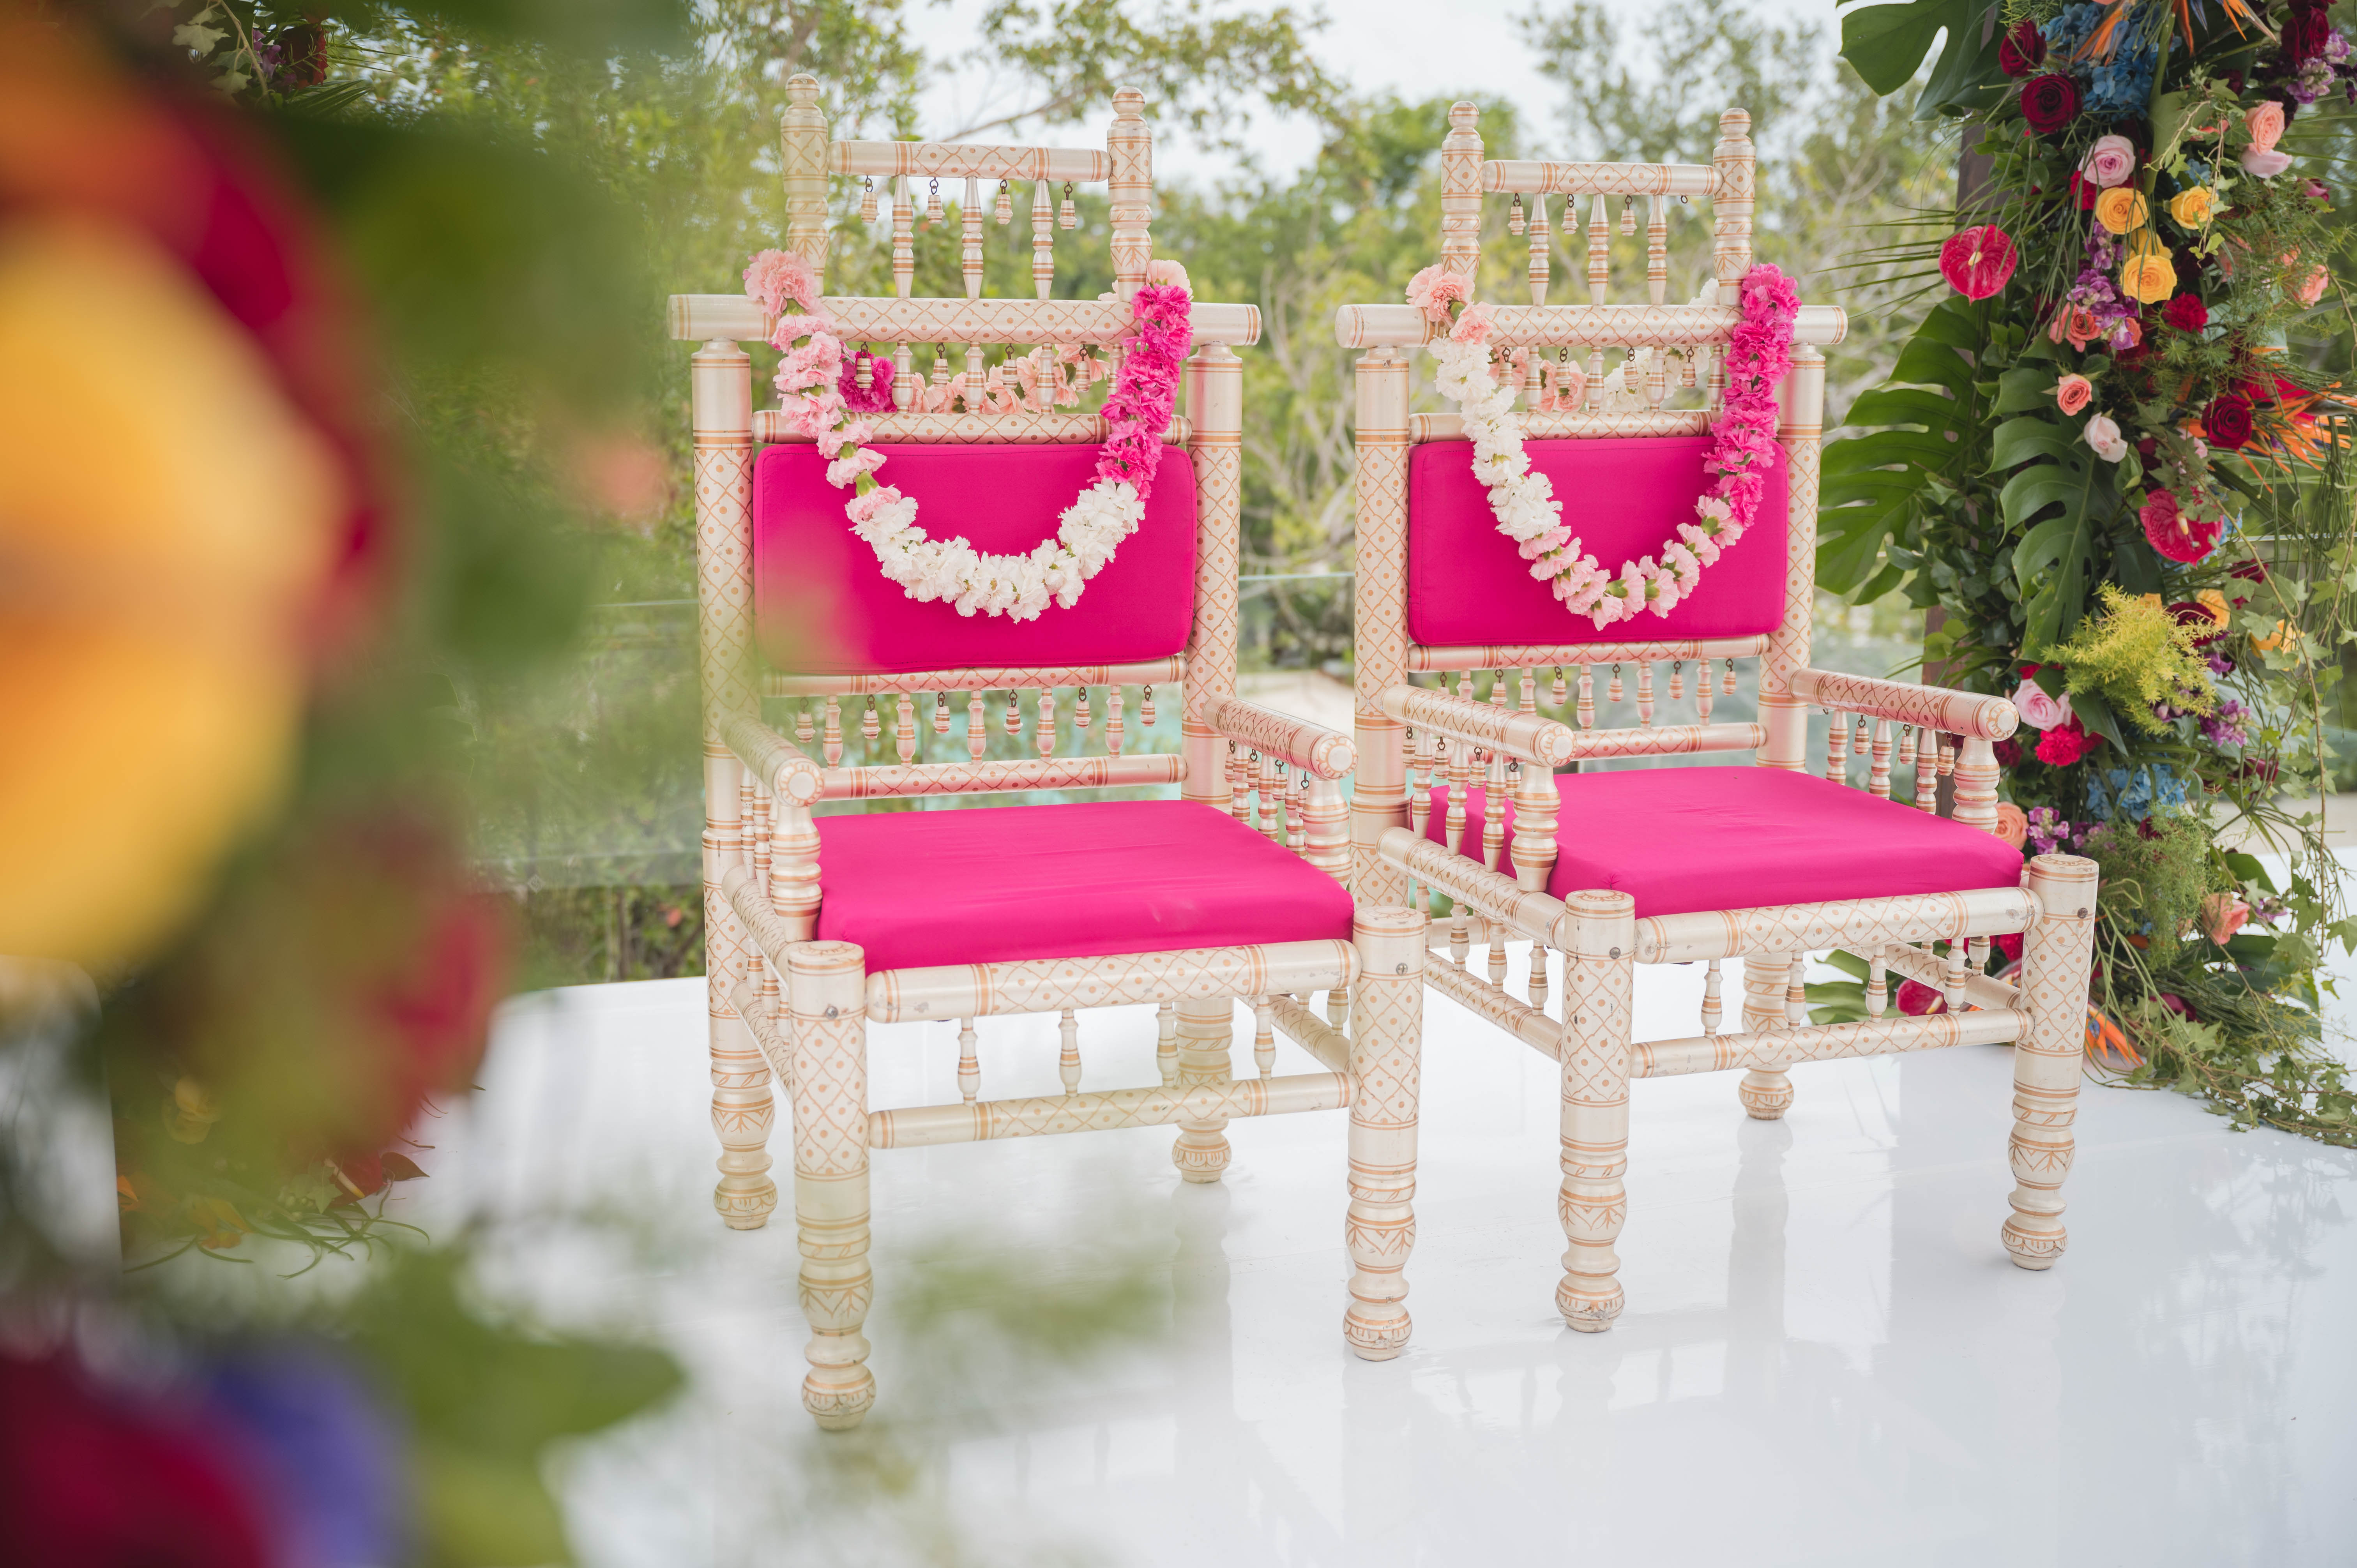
2104	435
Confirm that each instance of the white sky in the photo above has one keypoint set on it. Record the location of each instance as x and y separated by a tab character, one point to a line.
1372	45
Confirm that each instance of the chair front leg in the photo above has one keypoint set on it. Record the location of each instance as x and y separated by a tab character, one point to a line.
1386	1055
2057	953
1766	1092
1206	1032
827	989
1599	1001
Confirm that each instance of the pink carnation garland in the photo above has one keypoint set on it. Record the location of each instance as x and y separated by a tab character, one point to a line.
819	386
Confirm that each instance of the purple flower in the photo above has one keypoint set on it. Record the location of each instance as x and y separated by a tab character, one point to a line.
2227	726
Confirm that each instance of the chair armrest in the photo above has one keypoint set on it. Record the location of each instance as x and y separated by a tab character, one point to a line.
1965	714
1323	753
1519	734
775	761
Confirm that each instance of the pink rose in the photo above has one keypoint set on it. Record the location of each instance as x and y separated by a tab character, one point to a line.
1163	273
2072	391
2037	710
2311	287
2264	121
2111	161
2012	824
2222	915
1434	289
2262	163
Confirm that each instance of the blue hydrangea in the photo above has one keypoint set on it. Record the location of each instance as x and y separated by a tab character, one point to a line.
2121	85
2138	795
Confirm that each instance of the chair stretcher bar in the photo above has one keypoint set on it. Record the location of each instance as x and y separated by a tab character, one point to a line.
1156	1107
1529	656
1778	1048
1576	326
888	781
968	160
1814	928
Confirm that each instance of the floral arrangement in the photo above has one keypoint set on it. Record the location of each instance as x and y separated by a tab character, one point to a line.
2114	461
822	396
1743	444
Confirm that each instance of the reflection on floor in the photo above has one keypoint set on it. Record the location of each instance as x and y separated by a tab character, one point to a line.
1826	1357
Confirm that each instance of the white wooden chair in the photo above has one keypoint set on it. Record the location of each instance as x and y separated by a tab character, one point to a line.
1236	890
1670	864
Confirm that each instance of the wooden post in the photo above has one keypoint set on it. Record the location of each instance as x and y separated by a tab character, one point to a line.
1130	145
827	995
1379	788
743	1105
1730	205
1766	1092
1460	192
1386	1046
2057	953
1599	975
803	134
1801	399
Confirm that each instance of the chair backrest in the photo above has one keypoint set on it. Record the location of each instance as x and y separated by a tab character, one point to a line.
984	461
1440	590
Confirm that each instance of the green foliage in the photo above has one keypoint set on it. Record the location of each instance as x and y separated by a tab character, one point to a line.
1887	45
2152	879
2136	655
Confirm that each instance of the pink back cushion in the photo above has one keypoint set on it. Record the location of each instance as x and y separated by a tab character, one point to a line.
1623	497
1004	500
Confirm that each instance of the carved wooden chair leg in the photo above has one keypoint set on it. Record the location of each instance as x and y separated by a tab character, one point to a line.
1386	1047
2057	952
1767	1092
1599	1001
1206	1031
827	985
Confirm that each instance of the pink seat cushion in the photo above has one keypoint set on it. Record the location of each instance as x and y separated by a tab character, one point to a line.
822	606
1683	839
1624	499
920	888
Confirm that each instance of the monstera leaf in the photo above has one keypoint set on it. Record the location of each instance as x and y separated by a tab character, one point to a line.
2062	502
1876	485
1886	45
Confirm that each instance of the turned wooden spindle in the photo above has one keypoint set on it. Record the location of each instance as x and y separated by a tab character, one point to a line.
1657	248
1711	1006
1115	735
1043	732
1927	773
1537	272
1878	988
1587	714
1264	1038
1703	684
904	245
1043	240
1067	1063
969	1070
1644	691
1558	694
834	734
904	729
1599	240
1166	1042
1836	747
1878	779
970	250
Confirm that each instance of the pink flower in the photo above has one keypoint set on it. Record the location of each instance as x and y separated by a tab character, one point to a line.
2072	391
2066	743
2311	287
1473	326
2111	161
2103	434
2222	915
878	397
1434	289
2037	710
2263	164
1163	273
776	276
2264	121
2012	824
2174	534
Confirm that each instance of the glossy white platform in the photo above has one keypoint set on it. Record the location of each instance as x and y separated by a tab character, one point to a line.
1826	1357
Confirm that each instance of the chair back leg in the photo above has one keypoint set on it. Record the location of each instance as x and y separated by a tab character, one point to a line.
1598	1002
827	990
1387	1056
1206	1035
2057	952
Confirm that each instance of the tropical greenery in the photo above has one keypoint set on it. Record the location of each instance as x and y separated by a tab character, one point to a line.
2110	461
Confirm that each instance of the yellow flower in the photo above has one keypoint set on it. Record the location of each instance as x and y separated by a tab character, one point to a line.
2213	601
2147	278
165	513
2121	208
2193	207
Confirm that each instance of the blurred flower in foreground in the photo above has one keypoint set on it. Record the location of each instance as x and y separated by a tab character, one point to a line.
181	505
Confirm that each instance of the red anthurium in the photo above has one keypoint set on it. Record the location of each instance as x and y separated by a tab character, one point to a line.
1976	262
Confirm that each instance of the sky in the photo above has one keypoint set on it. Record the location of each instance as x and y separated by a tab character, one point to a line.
1372	45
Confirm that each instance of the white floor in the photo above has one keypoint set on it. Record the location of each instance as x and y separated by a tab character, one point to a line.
1827	1356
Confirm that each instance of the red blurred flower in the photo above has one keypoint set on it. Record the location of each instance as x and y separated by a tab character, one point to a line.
2066	743
1976	262
2193	613
2306	32
2186	313
2084	191
1918	1000
90	1480
2008	753
2023	50
2009	944
2227	421
302	57
2049	103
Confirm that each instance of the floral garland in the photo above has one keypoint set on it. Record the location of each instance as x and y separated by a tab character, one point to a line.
822	395
1743	443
